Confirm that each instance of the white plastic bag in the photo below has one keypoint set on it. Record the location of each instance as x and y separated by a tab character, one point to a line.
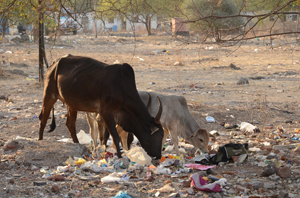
169	148
63	168
162	170
115	177
138	155
84	138
247	127
92	167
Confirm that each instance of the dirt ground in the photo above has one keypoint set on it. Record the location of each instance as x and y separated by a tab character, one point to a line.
203	76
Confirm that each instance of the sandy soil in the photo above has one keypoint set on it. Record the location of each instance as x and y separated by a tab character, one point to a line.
203	77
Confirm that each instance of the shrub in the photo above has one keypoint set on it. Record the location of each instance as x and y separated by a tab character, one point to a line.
195	10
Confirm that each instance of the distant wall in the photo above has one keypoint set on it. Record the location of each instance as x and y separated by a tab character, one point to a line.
178	25
88	24
131	26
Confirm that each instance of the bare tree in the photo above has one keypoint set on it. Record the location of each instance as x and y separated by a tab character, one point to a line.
256	18
252	19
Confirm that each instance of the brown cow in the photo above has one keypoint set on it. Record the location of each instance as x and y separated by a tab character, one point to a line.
85	84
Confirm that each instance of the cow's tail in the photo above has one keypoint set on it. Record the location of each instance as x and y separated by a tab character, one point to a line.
52	124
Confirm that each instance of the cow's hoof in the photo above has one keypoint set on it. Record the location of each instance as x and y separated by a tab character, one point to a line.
156	161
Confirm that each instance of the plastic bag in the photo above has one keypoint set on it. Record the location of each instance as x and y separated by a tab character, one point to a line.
201	159
63	168
199	166
247	127
122	194
169	148
201	184
168	162
92	167
115	177
166	189
83	137
110	178
162	170
80	161
210	119
139	155
70	162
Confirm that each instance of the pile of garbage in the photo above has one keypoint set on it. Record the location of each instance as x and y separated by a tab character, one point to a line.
135	162
224	172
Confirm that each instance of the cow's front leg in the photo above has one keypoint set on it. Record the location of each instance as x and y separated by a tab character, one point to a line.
111	126
105	135
71	120
166	133
93	128
174	138
129	140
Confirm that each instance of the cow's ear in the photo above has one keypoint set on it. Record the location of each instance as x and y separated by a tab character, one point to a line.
153	130
202	132
158	115
149	103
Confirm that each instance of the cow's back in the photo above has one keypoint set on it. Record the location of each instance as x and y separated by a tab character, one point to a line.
86	79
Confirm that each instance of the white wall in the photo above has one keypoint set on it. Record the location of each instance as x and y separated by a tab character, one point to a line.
140	26
13	30
89	25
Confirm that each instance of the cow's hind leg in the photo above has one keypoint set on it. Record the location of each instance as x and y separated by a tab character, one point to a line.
71	120
111	126
101	131
48	103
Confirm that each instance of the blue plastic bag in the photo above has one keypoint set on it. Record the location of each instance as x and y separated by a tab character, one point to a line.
122	194
210	119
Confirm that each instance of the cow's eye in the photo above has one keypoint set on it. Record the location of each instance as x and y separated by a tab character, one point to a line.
201	140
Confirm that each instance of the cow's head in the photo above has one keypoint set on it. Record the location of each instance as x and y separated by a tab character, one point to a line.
200	139
153	143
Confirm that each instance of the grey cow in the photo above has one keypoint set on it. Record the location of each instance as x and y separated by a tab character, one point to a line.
175	119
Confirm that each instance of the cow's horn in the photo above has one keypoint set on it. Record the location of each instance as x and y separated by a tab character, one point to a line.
149	103
154	131
158	115
193	134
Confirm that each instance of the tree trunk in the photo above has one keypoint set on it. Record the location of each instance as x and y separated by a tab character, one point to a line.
4	23
123	24
95	24
41	62
148	25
